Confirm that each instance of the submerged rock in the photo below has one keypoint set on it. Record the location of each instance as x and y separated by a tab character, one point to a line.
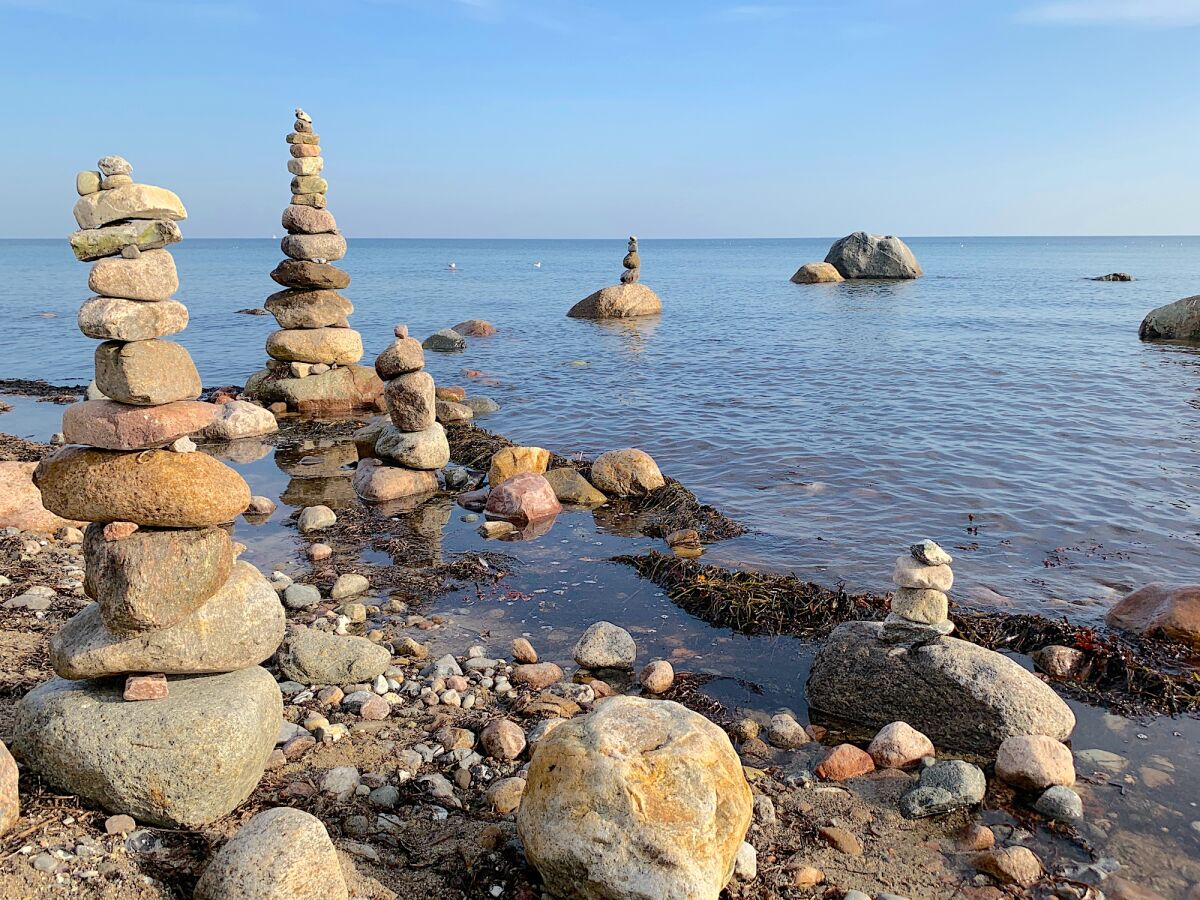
639	800
1172	611
181	762
1178	321
280	854
618	301
817	273
862	255
571	487
445	341
959	694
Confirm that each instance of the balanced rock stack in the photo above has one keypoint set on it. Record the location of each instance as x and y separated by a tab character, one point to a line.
313	355
624	300
412	445
177	623
632	263
920	607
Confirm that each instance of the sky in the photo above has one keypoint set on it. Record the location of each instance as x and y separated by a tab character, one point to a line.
594	118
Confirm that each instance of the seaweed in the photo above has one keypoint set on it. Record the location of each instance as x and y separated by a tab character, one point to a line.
1129	674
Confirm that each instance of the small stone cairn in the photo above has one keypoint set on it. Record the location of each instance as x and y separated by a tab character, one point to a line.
412	445
920	607
313	355
626	300
159	710
632	263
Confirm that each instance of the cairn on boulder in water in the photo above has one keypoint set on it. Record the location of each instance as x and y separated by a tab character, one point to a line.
907	668
314	353
186	746
410	444
624	300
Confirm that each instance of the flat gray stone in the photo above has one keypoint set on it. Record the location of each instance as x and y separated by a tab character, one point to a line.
182	762
960	695
319	657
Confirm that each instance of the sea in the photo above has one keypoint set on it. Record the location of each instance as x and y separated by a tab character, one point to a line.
1001	405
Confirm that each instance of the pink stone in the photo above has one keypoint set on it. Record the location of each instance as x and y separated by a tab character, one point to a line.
21	502
898	745
843	762
375	709
475	328
524	498
118	531
401	331
120	426
537	675
146	687
502	739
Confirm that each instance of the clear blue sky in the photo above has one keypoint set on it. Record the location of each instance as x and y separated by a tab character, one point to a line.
594	118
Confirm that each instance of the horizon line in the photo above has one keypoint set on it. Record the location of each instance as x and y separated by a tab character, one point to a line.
244	237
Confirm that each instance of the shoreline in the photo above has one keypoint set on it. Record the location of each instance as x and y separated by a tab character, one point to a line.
421	849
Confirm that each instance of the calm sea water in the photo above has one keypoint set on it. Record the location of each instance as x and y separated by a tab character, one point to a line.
1001	405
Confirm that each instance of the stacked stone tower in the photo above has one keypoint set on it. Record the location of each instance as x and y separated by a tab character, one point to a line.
920	607
313	355
160	709
626	300
412	446
632	263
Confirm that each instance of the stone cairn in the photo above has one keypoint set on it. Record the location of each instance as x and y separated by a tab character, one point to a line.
632	263
411	446
160	709
313	355
625	300
920	607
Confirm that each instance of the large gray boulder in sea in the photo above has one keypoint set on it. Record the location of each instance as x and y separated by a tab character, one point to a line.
963	696
862	255
1178	321
180	762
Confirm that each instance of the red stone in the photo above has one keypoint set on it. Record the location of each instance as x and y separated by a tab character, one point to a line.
146	687
1162	609
10	803
118	426
527	497
118	531
537	675
843	762
475	328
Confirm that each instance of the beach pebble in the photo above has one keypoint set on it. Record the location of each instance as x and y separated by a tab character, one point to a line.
1011	865
943	787
605	646
745	863
657	677
536	676
1058	661
1034	762
348	585
301	596
899	745
1060	803
315	518
341	782
784	732
502	739
523	652
505	795
843	762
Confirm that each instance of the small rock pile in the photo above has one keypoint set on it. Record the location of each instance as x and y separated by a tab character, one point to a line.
920	607
313	355
411	447
176	617
624	300
909	668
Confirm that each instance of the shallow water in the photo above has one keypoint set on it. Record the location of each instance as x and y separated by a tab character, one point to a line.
1142	809
1002	404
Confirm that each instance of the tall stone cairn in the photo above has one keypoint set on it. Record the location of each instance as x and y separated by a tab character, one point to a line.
632	263
160	709
410	446
313	355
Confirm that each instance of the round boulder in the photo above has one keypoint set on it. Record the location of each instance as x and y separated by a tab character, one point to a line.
817	273
626	473
618	301
639	800
862	255
606	646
